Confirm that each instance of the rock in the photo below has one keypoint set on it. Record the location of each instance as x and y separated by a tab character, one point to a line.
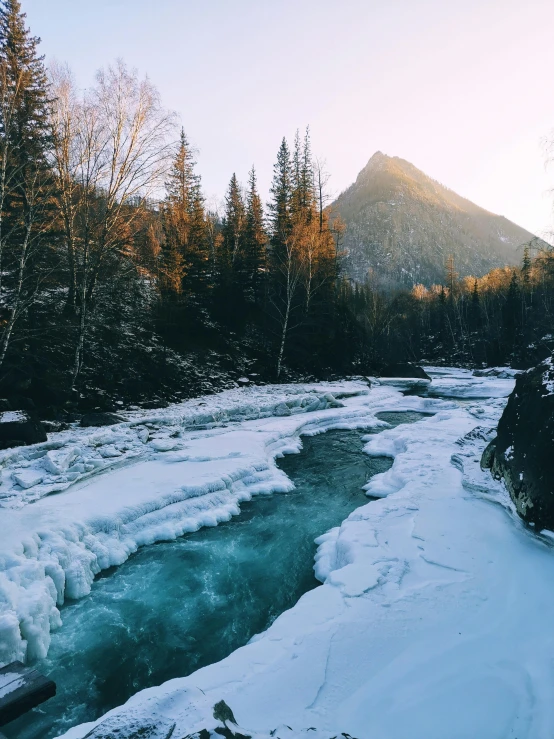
55	426
487	458
100	419
154	404
404	369
18	428
21	401
223	713
522	454
243	381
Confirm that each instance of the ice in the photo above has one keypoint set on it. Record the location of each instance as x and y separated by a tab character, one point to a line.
201	596
53	546
434	616
27	478
10	681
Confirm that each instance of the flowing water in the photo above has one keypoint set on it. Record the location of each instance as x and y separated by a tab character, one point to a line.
177	606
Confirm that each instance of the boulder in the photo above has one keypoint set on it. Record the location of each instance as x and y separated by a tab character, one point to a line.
154	404
18	428
522	453
406	370
100	419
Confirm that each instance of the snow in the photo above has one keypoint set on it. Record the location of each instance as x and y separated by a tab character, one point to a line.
434	616
463	384
12	416
548	376
10	681
199	461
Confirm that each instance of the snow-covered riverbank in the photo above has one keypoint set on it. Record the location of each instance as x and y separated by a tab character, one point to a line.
172	477
433	619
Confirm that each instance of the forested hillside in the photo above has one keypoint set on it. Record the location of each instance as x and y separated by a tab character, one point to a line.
402	226
119	285
116	278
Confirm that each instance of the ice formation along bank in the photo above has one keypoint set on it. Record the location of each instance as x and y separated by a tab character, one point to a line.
418	627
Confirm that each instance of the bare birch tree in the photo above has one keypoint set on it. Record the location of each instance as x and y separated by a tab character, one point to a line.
289	271
122	144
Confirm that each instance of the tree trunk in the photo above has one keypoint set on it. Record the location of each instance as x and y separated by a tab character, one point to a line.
17	297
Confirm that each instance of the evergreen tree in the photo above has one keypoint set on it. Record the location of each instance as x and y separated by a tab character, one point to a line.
279	208
234	225
255	242
526	267
451	278
302	181
25	124
475	309
307	175
184	221
296	177
442	317
25	180
511	316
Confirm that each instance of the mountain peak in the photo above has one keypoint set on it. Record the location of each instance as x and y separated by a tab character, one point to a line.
402	224
377	160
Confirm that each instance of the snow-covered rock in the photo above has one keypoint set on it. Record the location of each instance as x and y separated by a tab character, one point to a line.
522	454
17	427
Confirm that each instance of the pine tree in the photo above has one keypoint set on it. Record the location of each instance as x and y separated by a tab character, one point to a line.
451	278
511	316
26	124
302	180
296	177
255	242
279	208
25	181
184	220
307	175
526	268
234	225
442	317
475	309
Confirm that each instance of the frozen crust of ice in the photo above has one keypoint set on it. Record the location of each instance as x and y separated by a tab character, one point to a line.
433	619
181	476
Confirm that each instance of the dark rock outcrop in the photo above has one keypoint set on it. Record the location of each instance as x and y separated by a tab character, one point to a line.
18	428
406	370
523	452
100	419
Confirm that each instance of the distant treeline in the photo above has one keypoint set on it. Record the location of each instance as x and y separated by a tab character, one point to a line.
505	317
118	280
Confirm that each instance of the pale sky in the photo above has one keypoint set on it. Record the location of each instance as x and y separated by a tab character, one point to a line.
463	89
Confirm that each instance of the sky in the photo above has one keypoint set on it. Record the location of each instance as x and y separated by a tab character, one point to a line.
460	88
